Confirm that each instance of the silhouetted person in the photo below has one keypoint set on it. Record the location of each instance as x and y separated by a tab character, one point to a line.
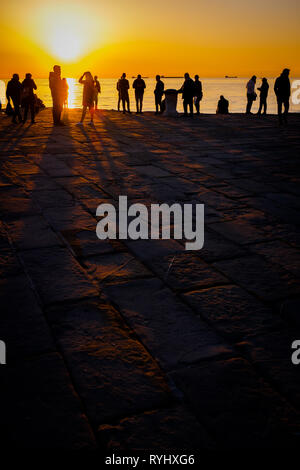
198	93
282	90
119	94
139	87
65	92
96	91
28	85
158	93
88	96
55	84
123	90
264	90
188	93
13	92
223	105
251	95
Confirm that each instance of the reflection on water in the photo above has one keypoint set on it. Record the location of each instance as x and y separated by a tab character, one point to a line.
233	89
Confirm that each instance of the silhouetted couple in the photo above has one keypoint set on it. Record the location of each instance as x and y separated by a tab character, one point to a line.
191	89
21	94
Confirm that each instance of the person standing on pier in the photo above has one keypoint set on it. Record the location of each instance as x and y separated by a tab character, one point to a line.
88	96
123	90
264	89
198	93
13	92
55	84
188	93
97	91
139	86
28	99
282	90
158	93
251	95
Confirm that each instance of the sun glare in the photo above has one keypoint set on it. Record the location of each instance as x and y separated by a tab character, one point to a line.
66	44
68	32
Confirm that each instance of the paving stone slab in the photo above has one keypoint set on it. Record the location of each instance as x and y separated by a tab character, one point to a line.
232	311
40	408
185	270
22	323
167	430
56	275
31	232
114	374
162	321
113	268
238	408
266	280
272	354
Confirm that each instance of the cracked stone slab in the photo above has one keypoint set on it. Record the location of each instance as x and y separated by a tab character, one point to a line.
113	373
113	268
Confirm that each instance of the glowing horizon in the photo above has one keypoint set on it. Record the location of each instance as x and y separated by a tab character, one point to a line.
210	38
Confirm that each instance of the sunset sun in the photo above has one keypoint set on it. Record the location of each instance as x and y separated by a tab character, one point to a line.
66	44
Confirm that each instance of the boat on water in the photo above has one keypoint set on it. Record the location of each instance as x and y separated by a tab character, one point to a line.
228	76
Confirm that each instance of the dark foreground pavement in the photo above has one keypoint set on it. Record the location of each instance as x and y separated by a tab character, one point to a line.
107	345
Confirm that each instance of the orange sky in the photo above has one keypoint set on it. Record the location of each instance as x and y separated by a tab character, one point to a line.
209	37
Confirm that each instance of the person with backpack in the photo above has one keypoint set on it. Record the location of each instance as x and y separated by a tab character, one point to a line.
13	92
28	85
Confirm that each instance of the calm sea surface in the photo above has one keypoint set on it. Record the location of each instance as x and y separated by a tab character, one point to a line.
232	88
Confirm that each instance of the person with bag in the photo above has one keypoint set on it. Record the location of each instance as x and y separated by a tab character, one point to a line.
13	92
251	95
28	85
198	93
